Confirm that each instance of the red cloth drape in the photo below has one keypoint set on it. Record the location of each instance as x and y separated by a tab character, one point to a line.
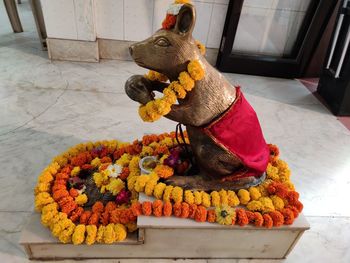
239	131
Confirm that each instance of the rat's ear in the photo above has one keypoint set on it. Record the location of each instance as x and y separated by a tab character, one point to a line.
186	20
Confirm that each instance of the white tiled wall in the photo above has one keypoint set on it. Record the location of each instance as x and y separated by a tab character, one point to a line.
131	20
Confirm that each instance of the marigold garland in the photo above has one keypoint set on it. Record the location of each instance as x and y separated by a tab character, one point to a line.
62	206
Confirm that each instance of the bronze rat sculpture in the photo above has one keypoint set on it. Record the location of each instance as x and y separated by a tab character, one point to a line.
224	133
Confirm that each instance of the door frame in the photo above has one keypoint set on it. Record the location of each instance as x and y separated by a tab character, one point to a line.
293	67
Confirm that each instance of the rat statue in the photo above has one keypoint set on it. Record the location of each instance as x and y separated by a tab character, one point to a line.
223	129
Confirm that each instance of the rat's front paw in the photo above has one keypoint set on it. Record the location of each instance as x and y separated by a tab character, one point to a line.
139	89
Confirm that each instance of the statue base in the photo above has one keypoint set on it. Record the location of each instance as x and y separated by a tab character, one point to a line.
171	238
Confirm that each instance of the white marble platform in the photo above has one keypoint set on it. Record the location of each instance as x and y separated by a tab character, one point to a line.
46	107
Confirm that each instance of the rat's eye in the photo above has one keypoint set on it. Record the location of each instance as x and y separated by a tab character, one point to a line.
163	42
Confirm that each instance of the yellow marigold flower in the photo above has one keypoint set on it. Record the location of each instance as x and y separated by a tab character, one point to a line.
100	179
42	199
89	146
115	186
161	106
66	234
144	115
60	226
131	227
255	206
149	188
96	162
244	196
158	190
134	163
277	202
109	235
178	89
177	194
232	198
205	199
53	207
197	197
120	232
91	233
224	215
254	193
223	197
169	96
272	172
57	218
215	198
124	160
167	142
189	197
196	70
155	76
141	182
42	187
81	199
79	234
167	193
154	115
146	151
46	218
289	185
46	177
75	171
100	233
282	165
267	204
186	81
131	182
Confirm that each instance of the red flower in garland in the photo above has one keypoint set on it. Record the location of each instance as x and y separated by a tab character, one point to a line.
169	22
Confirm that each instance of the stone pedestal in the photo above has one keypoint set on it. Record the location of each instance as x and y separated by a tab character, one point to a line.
172	238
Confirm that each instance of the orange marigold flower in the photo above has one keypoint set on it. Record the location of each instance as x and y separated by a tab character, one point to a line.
268	222
97	207
62	176
73	192
274	152
106	159
164	171
211	218
192	212
104	218
294	210
277	218
201	214
148	139
241	216
161	150
177	209
298	205
125	173
292	197
258	220
114	216
69	207
167	209
57	195
278	189
94	219
84	218
147	208
250	216
65	200
169	22
136	209
185	210
87	166
76	214
158	208
67	169
118	153
110	206
288	216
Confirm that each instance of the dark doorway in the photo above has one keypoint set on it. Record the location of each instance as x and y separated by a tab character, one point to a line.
274	37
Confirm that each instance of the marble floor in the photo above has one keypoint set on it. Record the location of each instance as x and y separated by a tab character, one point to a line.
47	106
